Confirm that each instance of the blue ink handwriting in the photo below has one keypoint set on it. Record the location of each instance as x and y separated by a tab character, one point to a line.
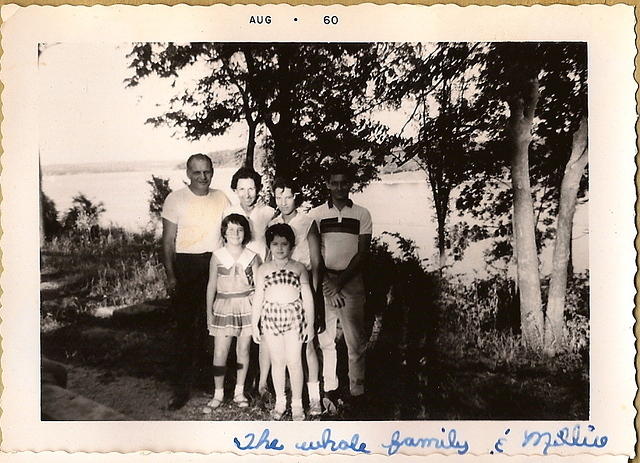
563	438
449	441
500	442
264	441
326	442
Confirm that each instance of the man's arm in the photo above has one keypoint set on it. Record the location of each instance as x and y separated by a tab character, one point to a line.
169	232
356	263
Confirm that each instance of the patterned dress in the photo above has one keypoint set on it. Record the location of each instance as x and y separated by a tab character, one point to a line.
234	291
279	318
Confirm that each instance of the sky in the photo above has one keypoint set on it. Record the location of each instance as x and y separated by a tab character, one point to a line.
87	115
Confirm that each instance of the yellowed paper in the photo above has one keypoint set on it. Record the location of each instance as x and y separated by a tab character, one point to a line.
609	34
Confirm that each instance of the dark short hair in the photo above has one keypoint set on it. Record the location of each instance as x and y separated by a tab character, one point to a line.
282	183
246	172
340	168
280	229
199	157
237	219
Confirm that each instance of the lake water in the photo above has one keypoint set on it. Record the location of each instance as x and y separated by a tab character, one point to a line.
398	203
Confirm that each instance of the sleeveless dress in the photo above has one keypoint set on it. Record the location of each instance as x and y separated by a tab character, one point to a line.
235	287
279	318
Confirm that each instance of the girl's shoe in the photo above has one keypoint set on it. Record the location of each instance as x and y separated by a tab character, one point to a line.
315	409
211	405
297	414
278	410
241	401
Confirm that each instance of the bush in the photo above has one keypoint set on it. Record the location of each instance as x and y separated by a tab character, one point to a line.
160	189
84	215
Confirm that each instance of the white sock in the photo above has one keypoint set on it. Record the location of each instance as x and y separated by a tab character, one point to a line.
218	394
296	403
281	403
314	390
239	390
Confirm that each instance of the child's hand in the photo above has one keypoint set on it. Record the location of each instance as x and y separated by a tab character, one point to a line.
255	333
308	333
320	324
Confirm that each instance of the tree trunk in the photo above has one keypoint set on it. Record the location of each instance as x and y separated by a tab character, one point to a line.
570	263
441	201
520	126
442	251
554	322
251	144
282	145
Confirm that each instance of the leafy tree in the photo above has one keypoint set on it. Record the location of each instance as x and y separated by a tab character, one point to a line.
439	82
542	88
311	97
219	99
308	97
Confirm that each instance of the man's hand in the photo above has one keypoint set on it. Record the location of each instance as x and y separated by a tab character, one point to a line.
337	300
333	294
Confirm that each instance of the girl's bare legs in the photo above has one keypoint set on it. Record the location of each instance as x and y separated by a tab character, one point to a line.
242	354
276	349
264	360
313	384
293	348
220	354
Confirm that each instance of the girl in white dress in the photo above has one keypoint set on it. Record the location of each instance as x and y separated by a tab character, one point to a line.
229	294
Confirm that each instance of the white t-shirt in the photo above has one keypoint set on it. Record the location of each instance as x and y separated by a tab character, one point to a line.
198	219
259	218
300	224
339	232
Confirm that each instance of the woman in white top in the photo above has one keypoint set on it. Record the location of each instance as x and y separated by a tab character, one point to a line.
246	184
306	251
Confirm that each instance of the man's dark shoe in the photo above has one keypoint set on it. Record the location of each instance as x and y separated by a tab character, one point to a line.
178	400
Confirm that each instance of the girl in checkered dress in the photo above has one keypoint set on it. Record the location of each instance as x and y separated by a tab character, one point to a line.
283	305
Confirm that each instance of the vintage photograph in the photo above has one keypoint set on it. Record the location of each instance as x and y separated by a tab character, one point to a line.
336	231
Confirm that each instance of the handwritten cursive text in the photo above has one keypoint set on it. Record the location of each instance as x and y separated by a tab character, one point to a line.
445	442
564	438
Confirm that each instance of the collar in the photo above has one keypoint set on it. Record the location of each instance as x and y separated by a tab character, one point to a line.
330	203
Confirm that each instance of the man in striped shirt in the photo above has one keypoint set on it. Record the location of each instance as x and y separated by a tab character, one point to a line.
345	230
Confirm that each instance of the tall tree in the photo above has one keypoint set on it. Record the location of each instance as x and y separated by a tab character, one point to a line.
220	98
543	87
309	97
562	250
439	81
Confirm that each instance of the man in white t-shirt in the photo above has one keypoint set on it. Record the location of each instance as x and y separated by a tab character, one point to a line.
345	231
191	219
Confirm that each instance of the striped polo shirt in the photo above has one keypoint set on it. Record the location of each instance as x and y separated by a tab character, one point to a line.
339	231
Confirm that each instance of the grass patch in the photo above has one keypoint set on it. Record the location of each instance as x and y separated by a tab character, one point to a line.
446	349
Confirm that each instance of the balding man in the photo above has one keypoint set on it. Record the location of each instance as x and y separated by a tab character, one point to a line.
191	220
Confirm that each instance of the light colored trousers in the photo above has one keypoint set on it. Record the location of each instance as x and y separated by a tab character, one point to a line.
351	318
